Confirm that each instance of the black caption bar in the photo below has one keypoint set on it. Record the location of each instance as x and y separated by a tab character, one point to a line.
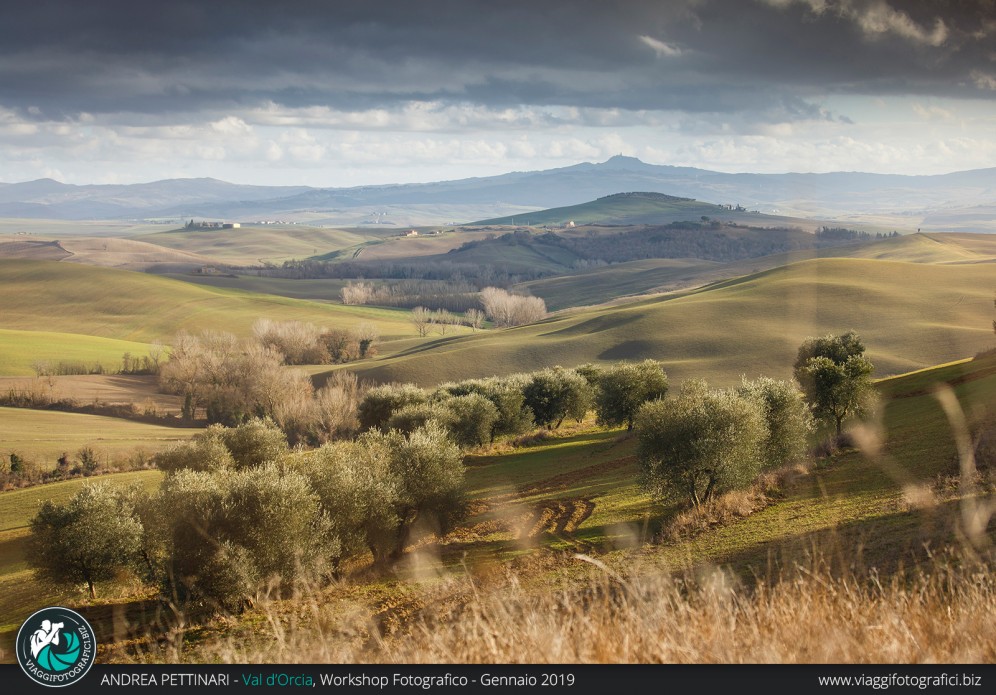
550	679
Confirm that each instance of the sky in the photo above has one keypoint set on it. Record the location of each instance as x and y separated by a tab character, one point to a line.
351	93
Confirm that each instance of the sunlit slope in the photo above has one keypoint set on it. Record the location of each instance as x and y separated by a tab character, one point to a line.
625	279
252	244
661	275
130	254
925	248
325	290
21	350
911	315
41	436
73	298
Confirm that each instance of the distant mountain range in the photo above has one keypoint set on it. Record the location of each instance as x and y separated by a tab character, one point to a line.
818	195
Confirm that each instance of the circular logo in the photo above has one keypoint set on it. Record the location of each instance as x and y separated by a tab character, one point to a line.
55	647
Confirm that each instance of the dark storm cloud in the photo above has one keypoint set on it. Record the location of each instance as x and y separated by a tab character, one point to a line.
63	57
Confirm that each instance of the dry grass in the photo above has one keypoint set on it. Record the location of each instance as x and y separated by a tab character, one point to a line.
808	616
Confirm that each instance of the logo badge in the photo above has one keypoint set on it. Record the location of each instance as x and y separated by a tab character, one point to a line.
56	647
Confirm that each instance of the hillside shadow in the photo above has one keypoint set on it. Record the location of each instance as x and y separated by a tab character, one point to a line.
885	545
630	350
597	324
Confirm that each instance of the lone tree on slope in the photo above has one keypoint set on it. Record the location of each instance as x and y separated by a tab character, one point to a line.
835	376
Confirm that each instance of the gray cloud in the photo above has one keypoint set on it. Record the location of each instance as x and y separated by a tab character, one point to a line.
65	57
354	91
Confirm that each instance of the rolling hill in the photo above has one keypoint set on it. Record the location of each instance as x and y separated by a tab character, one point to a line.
42	436
911	315
102	251
619	208
255	244
45	300
618	280
577	491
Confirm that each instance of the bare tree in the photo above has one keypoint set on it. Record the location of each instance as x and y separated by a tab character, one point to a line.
335	406
475	318
421	318
507	309
442	319
358	293
299	343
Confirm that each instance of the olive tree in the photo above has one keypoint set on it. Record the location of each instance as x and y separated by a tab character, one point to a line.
787	416
505	394
275	515
699	444
835	377
556	394
428	470
468	420
89	539
380	402
183	547
411	417
206	451
254	443
623	388
357	491
223	533
472	419
375	489
249	445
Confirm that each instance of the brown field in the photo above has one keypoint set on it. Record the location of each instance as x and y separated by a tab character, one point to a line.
100	251
15	247
97	389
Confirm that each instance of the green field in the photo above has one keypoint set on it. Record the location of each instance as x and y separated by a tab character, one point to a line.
17	507
111	303
910	315
56	229
44	435
19	350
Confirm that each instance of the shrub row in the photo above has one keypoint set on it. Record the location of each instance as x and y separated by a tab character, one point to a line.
477	411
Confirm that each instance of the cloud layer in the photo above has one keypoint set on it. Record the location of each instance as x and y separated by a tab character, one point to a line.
172	87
